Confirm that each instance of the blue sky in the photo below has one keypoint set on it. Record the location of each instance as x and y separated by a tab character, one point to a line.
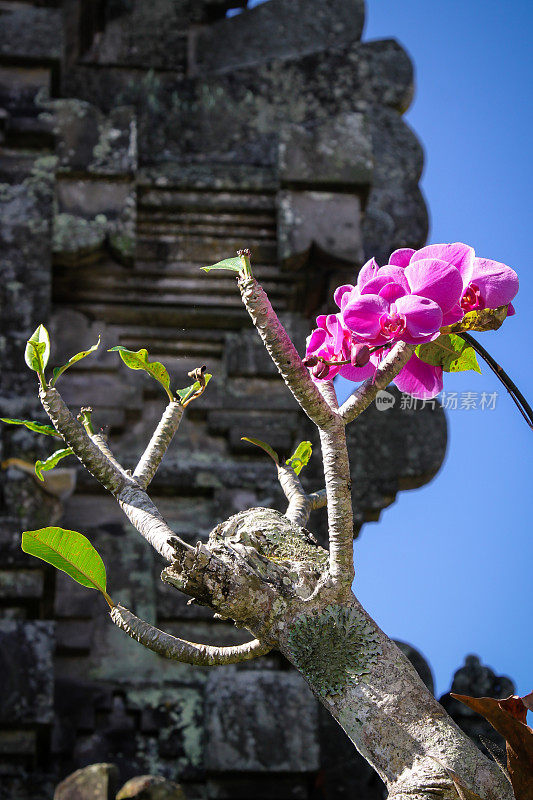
448	567
455	557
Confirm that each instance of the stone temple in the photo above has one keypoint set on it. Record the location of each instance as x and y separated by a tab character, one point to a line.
139	142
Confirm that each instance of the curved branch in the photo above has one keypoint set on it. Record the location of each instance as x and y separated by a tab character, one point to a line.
133	500
387	370
299	507
283	352
158	444
317	499
300	503
164	644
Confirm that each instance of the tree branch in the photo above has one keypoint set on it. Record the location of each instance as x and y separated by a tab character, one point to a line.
299	507
387	370
101	442
164	644
317	499
283	352
159	443
133	500
339	494
300	503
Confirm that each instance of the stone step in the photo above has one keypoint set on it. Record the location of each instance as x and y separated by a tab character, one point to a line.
139	296
207	216
213	227
203	250
154	200
261	271
157	288
186	316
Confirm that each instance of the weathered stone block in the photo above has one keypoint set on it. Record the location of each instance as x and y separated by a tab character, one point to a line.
260	721
337	152
328	219
279	29
89	141
19	87
26	689
97	782
21	584
29	32
175	713
139	35
17	743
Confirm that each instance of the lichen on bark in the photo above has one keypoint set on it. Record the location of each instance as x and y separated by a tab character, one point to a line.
333	647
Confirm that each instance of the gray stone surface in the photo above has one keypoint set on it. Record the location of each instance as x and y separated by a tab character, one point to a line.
26	689
96	782
336	152
330	220
259	722
29	32
279	29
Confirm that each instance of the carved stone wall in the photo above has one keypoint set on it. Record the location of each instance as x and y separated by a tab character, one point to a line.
141	141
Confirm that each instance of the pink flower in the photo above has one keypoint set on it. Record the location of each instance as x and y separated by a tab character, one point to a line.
486	283
397	303
409	300
332	342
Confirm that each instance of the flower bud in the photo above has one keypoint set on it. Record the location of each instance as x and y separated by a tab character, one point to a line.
310	361
320	370
363	356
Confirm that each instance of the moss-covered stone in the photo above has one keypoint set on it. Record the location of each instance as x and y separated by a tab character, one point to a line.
333	647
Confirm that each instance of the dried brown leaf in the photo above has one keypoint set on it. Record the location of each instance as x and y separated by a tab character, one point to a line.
508	717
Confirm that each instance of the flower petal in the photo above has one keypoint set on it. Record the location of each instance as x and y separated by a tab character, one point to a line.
362	315
335	331
315	340
357	374
401	257
367	272
496	282
340	291
458	254
423	317
391	292
453	315
419	379
437	280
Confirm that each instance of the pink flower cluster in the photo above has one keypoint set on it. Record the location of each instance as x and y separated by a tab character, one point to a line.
409	300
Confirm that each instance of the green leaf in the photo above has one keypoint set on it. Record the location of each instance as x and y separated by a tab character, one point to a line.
70	552
450	352
233	264
37	427
184	394
38	349
78	357
264	446
300	457
139	360
51	461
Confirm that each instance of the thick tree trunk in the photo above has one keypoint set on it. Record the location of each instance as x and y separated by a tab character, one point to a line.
274	581
379	700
